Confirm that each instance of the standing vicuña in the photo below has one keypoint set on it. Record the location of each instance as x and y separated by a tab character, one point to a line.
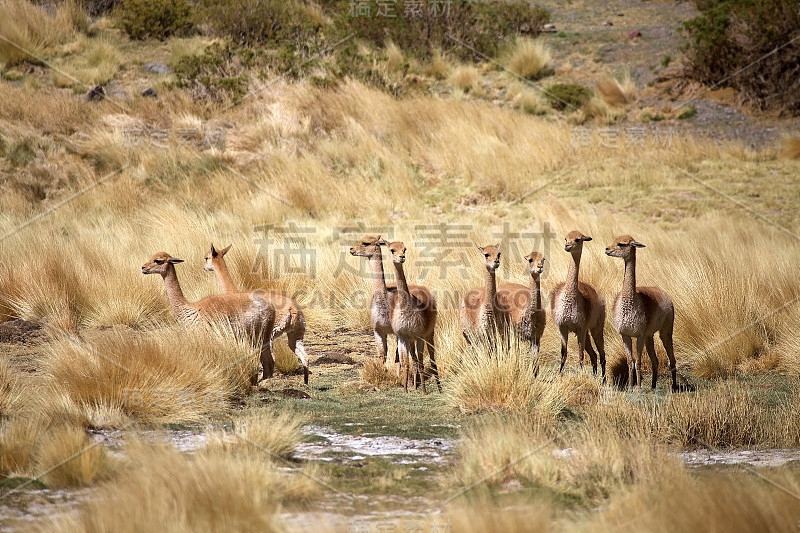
479	313
247	311
289	316
523	305
577	307
641	312
413	320
370	247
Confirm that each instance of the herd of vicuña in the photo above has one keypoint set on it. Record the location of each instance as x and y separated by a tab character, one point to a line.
487	314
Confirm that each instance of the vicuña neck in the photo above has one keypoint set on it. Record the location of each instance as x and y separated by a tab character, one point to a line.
629	283
572	273
491	289
174	292
378	279
224	276
536	293
402	285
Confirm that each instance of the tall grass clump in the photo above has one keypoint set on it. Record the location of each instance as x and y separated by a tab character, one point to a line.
170	374
273	434
33	29
617	93
790	147
69	458
569	463
530	59
485	379
169	491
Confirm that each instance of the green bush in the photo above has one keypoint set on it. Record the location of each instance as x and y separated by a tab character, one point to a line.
734	43
158	19
482	27
219	74
567	95
263	22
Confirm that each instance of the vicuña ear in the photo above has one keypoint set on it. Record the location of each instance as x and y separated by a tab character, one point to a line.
497	246
637	244
214	252
586	238
174	261
381	242
225	250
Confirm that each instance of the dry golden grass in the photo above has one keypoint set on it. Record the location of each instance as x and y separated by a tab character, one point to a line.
482	380
737	502
790	147
33	29
617	93
18	441
272	434
69	458
529	59
579	464
376	374
170	491
438	67
160	375
464	77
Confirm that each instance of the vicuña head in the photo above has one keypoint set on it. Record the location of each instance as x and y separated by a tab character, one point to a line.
574	241
213	256
398	250
159	264
491	255
535	263
623	246
368	247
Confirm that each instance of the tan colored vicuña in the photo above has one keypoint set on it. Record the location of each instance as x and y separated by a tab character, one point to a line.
249	312
523	305
370	247
413	320
289	317
577	307
479	313
641	312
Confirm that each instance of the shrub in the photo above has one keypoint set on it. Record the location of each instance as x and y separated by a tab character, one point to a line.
218	74
159	19
732	38
567	95
254	22
482	26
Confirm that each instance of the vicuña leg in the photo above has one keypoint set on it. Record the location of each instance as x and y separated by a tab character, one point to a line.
599	342
627	343
639	349
666	339
564	336
432	356
296	345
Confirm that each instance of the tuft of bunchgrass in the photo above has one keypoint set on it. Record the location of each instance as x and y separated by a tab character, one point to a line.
465	77
273	434
376	374
489	376
790	147
616	93
208	491
69	458
33	28
170	374
530	59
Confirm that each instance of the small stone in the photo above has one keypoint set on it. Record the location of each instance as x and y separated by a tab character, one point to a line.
157	68
607	23
549	28
95	94
633	34
150	92
115	90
